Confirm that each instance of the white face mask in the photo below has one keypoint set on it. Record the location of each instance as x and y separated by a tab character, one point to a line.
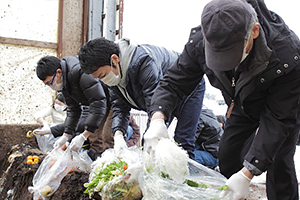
111	79
56	86
58	107
244	56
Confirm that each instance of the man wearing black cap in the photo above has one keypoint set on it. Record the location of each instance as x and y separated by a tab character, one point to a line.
248	53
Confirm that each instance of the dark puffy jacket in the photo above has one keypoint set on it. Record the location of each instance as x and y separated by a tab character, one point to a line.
209	132
147	67
59	129
266	94
82	89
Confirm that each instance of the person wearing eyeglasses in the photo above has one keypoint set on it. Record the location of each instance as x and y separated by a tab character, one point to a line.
79	89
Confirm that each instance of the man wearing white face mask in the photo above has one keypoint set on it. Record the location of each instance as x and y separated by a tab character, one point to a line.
133	73
79	90
250	54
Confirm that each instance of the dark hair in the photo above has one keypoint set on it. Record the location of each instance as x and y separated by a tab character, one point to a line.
96	53
47	66
221	119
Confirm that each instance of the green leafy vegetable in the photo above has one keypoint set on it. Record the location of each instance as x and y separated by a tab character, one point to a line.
224	187
195	184
103	175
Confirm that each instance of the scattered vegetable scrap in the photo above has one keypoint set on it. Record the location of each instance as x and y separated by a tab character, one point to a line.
46	191
30	134
104	174
32	160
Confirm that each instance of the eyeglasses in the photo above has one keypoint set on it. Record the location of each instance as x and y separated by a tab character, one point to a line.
51	82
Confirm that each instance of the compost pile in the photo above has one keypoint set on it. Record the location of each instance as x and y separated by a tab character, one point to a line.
17	170
17	175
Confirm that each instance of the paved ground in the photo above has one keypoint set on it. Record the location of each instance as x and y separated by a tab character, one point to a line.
257	192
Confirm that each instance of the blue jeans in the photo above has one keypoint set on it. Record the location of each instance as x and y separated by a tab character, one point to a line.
206	159
129	132
187	114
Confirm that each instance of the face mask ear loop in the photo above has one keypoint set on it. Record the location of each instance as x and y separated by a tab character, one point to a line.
111	66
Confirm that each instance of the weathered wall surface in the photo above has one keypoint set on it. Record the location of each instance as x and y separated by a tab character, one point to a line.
21	92
72	26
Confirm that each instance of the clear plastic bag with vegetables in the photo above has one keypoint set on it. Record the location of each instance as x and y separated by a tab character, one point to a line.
108	176
169	174
55	166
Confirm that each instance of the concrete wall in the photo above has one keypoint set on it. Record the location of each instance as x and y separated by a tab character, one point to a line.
72	27
21	92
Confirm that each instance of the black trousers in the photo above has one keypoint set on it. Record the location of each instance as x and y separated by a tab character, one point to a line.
237	139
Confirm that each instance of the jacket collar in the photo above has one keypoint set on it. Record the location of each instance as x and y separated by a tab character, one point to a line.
257	63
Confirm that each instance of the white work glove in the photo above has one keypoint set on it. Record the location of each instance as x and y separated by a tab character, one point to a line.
238	185
119	144
156	130
132	173
60	142
77	142
44	130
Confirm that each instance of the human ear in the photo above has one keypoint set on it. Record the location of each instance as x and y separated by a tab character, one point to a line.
58	72
255	31
115	59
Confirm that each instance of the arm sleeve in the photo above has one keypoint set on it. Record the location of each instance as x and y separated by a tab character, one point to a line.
121	112
57	130
277	120
181	78
43	113
73	115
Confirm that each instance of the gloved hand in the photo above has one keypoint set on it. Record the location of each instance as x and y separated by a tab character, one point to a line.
156	130
238	184
77	142
119	144
60	142
44	130
132	173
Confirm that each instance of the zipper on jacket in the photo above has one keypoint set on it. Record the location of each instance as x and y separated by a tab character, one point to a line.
233	82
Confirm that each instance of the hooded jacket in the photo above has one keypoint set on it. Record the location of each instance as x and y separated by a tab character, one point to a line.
265	92
82	89
147	66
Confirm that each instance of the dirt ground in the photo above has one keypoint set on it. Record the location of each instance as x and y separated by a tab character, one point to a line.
16	175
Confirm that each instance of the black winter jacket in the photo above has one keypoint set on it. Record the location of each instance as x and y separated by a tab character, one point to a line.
82	89
58	130
146	68
209	132
265	94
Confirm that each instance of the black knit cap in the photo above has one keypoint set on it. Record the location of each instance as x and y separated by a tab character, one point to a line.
224	25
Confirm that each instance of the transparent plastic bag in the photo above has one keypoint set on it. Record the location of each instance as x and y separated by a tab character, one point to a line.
46	142
108	175
118	189
55	166
169	174
82	160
